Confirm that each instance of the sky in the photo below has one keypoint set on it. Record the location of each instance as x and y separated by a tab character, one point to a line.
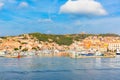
59	16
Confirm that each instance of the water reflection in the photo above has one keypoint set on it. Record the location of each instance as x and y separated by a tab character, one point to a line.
98	62
36	68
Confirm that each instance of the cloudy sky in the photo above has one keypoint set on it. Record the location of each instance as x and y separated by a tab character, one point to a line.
59	16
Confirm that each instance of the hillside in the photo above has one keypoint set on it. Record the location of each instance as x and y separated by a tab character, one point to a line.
66	39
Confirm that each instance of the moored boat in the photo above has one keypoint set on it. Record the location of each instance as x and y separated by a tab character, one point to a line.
117	52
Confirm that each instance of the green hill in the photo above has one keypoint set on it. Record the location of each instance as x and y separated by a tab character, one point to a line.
66	39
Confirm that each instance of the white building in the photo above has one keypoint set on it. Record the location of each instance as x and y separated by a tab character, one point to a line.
113	46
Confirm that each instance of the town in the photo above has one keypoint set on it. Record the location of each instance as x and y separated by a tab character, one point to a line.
90	46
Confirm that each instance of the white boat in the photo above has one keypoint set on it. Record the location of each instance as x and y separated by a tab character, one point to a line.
2	53
117	52
82	53
98	53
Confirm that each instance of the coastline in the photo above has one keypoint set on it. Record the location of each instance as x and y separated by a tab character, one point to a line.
60	54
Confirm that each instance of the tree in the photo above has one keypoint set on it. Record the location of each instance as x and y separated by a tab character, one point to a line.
25	49
16	49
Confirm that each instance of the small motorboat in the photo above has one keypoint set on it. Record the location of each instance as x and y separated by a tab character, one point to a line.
117	52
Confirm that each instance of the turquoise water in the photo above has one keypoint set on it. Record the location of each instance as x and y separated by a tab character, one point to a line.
37	68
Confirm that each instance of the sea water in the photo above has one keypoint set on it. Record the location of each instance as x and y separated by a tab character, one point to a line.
59	68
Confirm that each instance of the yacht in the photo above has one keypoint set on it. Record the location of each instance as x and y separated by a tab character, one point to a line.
117	52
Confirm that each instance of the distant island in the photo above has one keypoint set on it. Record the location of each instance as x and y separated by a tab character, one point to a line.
91	43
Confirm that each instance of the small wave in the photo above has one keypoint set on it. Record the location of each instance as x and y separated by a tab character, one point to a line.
15	72
37	71
101	69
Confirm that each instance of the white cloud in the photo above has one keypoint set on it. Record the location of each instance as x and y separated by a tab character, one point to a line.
23	4
45	20
83	7
1	5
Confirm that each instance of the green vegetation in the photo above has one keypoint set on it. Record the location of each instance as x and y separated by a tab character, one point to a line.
59	39
78	37
16	49
24	43
3	37
65	39
25	49
109	34
35	48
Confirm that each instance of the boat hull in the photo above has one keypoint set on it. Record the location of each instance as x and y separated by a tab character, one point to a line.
117	53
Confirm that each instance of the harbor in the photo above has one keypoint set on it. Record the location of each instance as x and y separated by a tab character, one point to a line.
59	39
56	53
93	46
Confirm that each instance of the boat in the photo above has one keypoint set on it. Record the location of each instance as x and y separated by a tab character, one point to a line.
81	54
90	55
98	53
2	53
117	52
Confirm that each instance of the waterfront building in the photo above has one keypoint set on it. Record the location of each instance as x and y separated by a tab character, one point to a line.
114	46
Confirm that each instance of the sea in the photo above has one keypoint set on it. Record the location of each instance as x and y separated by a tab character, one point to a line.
59	68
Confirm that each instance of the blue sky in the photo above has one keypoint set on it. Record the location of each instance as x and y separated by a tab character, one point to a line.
59	16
